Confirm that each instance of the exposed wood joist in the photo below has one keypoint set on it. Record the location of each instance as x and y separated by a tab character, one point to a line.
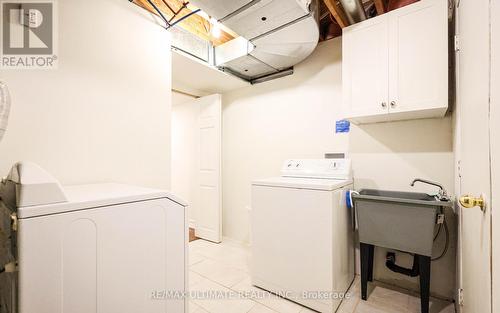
380	6
337	16
174	10
337	12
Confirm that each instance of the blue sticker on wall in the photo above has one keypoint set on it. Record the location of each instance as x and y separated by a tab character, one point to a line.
342	126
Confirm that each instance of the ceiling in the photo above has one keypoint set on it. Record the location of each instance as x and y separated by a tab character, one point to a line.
176	10
333	16
209	80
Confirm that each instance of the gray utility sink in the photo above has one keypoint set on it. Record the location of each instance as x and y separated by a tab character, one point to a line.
398	220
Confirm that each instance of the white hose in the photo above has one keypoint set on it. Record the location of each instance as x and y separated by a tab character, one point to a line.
4	108
353	208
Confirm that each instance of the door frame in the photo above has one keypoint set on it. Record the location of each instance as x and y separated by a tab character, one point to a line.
494	155
495	149
205	113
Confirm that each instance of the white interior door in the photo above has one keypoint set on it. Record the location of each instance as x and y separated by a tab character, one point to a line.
208	211
474	152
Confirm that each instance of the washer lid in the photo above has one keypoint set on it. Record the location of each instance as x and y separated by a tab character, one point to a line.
83	197
303	183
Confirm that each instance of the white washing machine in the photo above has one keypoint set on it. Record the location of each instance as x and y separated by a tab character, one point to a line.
92	248
302	233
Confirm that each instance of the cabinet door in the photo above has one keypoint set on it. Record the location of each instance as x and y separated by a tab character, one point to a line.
418	57
365	68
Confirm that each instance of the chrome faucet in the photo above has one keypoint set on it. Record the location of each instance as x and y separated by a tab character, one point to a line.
443	195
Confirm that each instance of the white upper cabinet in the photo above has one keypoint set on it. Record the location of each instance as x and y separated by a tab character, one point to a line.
395	66
418	55
365	62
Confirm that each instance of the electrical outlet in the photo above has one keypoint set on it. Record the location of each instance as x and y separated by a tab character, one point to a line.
440	219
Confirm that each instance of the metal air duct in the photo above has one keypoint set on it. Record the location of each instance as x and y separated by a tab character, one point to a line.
275	35
354	10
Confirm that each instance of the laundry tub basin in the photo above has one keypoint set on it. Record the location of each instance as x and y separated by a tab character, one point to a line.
398	220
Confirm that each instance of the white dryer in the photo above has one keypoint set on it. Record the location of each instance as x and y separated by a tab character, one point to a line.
302	233
91	248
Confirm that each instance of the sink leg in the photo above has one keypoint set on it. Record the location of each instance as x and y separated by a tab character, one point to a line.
425	282
366	251
370	264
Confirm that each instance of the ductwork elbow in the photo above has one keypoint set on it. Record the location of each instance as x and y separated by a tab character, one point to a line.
354	10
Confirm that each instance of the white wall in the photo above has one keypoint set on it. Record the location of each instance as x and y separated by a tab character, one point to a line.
185	149
104	114
291	117
294	117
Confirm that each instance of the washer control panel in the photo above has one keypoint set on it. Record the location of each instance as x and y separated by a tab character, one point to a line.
317	168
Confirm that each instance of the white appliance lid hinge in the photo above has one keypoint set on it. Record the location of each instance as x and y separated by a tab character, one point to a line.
460	296
457	43
13	221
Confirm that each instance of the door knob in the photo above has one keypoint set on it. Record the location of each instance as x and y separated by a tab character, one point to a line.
393	104
384	105
470	202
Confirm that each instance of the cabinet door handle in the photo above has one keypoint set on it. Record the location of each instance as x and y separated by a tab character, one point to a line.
393	104
384	105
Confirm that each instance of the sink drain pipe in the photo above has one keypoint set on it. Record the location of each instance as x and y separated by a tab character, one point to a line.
390	259
390	263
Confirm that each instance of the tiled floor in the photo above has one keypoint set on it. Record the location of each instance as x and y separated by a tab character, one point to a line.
222	272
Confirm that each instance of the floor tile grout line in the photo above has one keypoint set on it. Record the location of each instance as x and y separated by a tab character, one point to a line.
196	263
356	306
236	252
258	303
268	307
239	281
256	300
211	258
231	288
240	256
219	261
271	293
210	279
213	281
